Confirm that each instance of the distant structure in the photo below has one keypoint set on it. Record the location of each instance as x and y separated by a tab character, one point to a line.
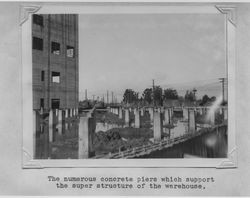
55	61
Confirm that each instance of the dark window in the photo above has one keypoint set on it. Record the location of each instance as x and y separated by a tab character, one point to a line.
41	102
70	51
38	19
37	43
55	48
55	77
42	75
55	103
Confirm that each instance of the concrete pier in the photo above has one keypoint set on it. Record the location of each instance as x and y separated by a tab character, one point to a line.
142	112
127	117
166	117
225	114
151	113
120	113
185	113
60	122
212	118
157	126
51	125
70	113
66	113
137	119
134	110
36	125
85	137
191	120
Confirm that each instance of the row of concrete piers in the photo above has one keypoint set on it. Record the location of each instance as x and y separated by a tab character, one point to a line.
55	119
161	116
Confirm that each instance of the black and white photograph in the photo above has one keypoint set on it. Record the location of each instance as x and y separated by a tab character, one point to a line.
129	86
127	98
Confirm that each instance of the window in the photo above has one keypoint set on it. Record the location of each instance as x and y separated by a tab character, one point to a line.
70	52
55	103
41	102
56	77
55	48
37	43
42	75
38	19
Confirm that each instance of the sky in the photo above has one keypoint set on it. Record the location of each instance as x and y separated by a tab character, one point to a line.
180	51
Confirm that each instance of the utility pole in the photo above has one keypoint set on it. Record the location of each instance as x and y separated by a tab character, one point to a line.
107	96
222	80
112	97
154	92
86	94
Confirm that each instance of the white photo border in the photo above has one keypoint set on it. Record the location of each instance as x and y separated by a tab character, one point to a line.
227	10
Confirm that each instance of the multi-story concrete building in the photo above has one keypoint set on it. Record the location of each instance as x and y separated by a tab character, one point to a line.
55	61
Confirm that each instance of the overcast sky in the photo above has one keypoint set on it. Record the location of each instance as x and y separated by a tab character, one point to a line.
128	51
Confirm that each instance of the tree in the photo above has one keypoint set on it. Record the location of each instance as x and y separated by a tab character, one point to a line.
147	95
130	96
170	94
190	96
158	95
204	100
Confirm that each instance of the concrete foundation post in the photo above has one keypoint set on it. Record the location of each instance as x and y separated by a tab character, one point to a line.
109	110
151	113
191	120
51	125
126	117
142	112
135	111
212	118
225	112
185	113
85	137
66	113
41	111
137	119
70	113
60	122
166	117
120	113
36	125
157	126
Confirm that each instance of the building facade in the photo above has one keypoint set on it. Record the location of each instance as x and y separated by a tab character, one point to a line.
55	61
